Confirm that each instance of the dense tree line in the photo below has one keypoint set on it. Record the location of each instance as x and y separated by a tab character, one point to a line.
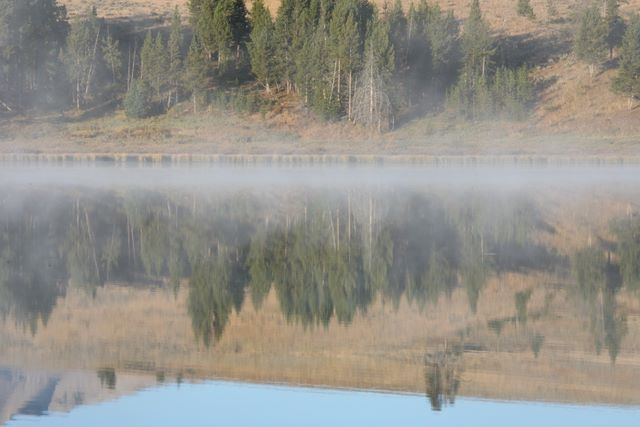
343	59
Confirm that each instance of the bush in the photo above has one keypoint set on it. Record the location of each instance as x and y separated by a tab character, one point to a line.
525	9
138	103
509	93
241	101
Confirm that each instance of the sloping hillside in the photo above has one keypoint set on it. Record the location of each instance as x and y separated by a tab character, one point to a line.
569	102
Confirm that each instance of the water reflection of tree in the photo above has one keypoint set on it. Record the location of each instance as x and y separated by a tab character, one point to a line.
214	291
325	259
107	378
599	281
443	370
32	273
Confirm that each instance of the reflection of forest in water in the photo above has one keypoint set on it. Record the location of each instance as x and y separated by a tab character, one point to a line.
325	254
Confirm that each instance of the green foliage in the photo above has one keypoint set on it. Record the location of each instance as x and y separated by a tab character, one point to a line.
589	266
112	56
32	37
536	341
442	31
229	32
261	46
197	72
615	25
139	103
524	9
80	55
628	234
590	44
174	57
241	101
513	92
627	81
508	93
477	43
153	62
522	300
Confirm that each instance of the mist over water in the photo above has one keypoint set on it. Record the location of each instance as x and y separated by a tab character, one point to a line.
220	177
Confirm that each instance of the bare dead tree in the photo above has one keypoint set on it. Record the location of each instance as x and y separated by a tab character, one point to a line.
371	103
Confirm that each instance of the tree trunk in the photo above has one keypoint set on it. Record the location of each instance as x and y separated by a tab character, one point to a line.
93	62
371	93
5	106
350	95
78	93
339	79
333	79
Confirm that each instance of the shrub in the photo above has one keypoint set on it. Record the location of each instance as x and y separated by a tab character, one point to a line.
525	9
138	102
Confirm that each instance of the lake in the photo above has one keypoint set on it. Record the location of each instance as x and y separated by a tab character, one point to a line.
323	295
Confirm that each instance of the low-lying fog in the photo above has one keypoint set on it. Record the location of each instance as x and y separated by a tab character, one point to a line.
225	177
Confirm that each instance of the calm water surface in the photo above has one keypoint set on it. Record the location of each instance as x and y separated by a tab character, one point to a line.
379	296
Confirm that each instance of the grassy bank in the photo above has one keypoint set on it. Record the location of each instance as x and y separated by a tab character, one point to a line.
217	135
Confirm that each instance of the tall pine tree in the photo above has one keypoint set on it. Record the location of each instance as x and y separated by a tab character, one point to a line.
32	36
174	54
261	45
615	25
590	43
627	81
196	72
477	43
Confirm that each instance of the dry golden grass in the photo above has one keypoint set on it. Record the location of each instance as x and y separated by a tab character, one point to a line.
147	330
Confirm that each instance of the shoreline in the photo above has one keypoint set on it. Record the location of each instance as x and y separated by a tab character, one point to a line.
186	159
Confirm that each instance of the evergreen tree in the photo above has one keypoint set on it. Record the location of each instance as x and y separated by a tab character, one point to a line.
398	33
146	56
615	25
174	53
477	43
231	31
627	81
261	46
591	38
153	62
418	62
196	72
284	34
138	103
525	9
443	34
347	42
32	36
201	14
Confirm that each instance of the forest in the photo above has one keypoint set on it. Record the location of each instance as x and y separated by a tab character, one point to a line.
343	60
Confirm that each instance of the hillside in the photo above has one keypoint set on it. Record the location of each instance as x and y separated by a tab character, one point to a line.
572	112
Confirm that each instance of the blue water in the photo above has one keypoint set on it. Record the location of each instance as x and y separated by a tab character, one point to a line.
236	404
